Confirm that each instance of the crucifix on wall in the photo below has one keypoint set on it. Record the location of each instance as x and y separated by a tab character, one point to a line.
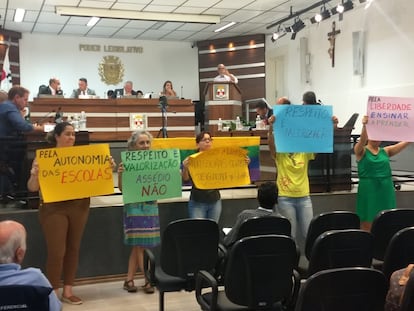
331	39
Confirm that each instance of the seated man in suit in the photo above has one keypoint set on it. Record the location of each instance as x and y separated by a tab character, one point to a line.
52	89
263	110
267	197
82	89
125	91
12	251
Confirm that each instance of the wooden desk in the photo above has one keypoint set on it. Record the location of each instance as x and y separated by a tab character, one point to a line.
109	119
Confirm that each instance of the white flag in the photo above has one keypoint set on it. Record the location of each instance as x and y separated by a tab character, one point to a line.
6	78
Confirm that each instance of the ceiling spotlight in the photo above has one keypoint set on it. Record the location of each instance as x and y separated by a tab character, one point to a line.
278	34
297	26
324	14
348	5
340	8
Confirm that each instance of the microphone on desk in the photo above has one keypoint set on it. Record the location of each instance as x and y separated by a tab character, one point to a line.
59	115
181	95
47	115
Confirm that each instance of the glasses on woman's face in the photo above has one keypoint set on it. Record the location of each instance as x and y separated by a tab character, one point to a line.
207	139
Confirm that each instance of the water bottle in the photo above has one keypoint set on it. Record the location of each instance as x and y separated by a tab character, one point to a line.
82	121
238	124
75	122
220	125
258	123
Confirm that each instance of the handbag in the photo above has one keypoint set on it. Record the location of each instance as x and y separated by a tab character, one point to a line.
395	293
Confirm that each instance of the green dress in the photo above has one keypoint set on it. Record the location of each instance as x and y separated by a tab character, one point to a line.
375	189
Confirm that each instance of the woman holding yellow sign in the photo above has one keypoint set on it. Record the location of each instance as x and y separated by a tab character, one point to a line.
202	203
141	221
62	223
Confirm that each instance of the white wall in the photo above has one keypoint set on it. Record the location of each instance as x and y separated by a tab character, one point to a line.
44	56
389	58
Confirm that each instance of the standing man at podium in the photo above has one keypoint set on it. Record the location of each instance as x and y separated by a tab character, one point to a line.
224	75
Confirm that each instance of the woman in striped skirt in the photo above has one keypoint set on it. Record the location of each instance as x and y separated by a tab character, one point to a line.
141	221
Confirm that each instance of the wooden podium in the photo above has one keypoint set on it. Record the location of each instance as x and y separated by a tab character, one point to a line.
222	100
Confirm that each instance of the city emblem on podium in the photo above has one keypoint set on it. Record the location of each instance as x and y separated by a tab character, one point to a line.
111	70
221	91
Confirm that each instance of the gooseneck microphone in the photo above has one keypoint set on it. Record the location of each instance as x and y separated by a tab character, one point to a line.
47	115
59	115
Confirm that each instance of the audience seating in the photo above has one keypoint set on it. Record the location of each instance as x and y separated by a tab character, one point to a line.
343	289
400	252
335	220
264	225
187	246
385	225
259	275
340	249
323	222
24	297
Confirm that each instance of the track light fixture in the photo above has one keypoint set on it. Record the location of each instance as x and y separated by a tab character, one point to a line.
343	6
324	14
297	26
278	34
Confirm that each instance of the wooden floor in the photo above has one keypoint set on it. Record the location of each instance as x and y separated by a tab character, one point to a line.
111	297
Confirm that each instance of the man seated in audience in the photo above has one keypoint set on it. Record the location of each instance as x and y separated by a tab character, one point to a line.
52	89
267	196
12	251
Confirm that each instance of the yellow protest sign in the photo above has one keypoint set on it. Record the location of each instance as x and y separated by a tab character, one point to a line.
190	143
222	167
74	172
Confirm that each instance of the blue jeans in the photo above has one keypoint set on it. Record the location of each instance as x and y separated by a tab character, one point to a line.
299	212
204	210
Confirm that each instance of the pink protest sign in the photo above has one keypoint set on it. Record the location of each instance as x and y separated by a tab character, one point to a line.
390	118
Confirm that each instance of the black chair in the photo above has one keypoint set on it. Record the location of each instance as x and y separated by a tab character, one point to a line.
264	225
336	220
259	275
24	297
385	225
341	249
400	252
187	246
407	302
343	289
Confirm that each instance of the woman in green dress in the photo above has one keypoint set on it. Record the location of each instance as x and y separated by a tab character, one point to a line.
376	188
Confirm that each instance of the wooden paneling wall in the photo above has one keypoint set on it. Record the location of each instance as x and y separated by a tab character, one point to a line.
11	39
244	57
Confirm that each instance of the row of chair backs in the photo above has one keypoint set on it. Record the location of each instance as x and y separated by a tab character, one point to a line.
341	248
400	252
259	275
259	271
24	297
343	289
264	225
189	246
386	224
329	221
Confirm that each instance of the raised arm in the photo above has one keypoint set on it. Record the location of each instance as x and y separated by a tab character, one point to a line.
270	137
395	149
185	173
359	148
33	182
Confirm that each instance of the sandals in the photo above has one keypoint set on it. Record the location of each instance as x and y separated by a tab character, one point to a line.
73	300
148	289
130	287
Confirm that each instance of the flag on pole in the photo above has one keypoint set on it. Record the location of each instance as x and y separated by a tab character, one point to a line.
6	78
